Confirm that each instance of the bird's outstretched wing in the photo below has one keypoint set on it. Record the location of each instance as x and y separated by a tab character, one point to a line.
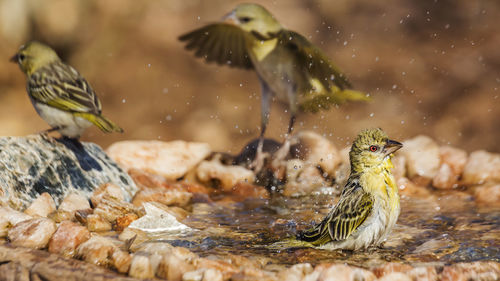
312	60
327	85
221	43
60	86
350	212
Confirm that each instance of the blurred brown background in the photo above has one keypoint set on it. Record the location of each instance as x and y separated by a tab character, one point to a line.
432	67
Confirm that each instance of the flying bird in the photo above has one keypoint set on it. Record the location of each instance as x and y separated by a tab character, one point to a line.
288	66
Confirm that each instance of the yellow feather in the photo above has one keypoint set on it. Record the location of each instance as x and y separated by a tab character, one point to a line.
261	49
101	122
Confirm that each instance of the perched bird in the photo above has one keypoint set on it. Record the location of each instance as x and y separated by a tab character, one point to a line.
60	95
289	67
368	207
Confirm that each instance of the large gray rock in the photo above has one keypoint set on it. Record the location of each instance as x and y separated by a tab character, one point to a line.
35	164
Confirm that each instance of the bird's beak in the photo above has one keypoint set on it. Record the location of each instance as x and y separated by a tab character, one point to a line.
230	18
392	146
14	58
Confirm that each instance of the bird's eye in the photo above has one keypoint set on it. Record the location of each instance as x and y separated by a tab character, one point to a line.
245	19
21	57
373	148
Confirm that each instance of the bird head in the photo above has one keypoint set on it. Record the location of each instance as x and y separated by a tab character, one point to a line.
371	148
253	18
34	55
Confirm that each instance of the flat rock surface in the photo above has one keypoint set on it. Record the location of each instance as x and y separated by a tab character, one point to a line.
171	160
35	164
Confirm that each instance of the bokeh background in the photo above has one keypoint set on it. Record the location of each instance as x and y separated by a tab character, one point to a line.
431	66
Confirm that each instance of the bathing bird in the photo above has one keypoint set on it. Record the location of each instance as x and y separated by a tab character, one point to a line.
368	207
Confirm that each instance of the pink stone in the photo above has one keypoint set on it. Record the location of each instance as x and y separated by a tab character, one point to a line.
140	267
41	206
171	160
97	250
121	261
488	194
487	270
67	238
422	158
163	196
452	166
74	202
108	189
482	167
32	233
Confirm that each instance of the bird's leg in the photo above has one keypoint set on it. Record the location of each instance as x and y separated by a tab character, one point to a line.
260	155
45	132
284	150
282	153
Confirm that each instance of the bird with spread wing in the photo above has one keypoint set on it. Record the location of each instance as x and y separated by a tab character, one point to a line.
288	66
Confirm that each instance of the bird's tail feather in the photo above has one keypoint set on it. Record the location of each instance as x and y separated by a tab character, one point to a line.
289	243
317	235
348	94
101	122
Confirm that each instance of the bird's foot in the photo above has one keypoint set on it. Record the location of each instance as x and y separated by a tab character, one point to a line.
259	161
280	156
46	132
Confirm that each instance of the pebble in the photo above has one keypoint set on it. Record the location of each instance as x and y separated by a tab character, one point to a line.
108	189
157	220
391	267
10	217
488	194
140	267
124	221
172	160
296	272
67	238
110	208
42	206
33	233
225	176
121	261
481	270
74	202
341	272
172	267
302	179
395	276
97	250
96	223
316	150
163	196
482	167
452	166
243	191
422	159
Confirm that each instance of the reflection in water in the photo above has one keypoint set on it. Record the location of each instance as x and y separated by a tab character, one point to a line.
443	229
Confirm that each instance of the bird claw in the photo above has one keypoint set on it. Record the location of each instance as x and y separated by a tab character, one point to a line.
280	155
259	161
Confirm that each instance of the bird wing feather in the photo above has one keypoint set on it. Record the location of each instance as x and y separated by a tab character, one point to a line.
221	43
350	212
326	84
312	60
60	86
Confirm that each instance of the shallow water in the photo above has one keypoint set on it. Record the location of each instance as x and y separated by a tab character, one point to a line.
445	228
